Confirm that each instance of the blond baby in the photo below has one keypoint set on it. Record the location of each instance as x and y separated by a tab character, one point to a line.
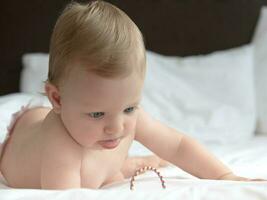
96	73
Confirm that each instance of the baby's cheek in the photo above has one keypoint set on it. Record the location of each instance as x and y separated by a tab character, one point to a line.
130	125
92	131
86	131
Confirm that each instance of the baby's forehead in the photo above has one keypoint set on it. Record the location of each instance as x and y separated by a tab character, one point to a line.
108	103
91	89
105	103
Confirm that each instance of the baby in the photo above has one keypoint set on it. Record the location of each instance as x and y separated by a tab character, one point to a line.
96	73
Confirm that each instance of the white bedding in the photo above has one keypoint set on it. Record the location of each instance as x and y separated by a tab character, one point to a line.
247	158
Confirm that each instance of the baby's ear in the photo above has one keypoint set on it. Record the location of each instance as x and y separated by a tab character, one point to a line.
53	95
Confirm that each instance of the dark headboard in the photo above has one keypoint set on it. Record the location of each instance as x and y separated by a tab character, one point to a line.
170	27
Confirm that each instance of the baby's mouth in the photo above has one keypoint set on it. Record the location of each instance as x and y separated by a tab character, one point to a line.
110	144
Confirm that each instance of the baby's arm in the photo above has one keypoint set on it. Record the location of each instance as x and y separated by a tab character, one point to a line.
179	149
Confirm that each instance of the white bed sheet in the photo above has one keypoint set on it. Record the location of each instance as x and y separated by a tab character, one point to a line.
247	158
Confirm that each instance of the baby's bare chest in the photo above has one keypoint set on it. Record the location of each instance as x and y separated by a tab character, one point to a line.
97	167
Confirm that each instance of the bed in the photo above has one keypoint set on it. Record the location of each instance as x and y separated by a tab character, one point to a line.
206	68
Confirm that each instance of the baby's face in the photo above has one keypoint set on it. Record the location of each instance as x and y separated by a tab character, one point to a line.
99	112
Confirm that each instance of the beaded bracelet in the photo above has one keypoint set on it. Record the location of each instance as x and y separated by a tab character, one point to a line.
142	170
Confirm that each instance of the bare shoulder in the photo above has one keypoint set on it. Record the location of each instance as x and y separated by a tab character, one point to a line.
57	141
145	124
155	135
61	157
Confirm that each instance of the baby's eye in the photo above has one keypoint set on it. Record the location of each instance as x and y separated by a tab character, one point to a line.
129	110
96	114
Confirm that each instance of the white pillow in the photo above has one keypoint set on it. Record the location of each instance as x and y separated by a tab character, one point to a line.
210	97
34	72
260	63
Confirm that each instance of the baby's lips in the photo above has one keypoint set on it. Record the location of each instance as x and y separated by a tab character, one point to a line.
110	144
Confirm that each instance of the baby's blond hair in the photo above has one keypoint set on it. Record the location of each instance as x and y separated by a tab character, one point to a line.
99	35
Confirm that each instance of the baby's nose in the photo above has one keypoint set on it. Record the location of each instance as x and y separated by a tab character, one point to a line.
114	127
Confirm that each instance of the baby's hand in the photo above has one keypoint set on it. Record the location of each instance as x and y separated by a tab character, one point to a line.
233	177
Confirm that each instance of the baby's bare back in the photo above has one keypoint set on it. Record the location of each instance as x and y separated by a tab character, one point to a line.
20	163
39	141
